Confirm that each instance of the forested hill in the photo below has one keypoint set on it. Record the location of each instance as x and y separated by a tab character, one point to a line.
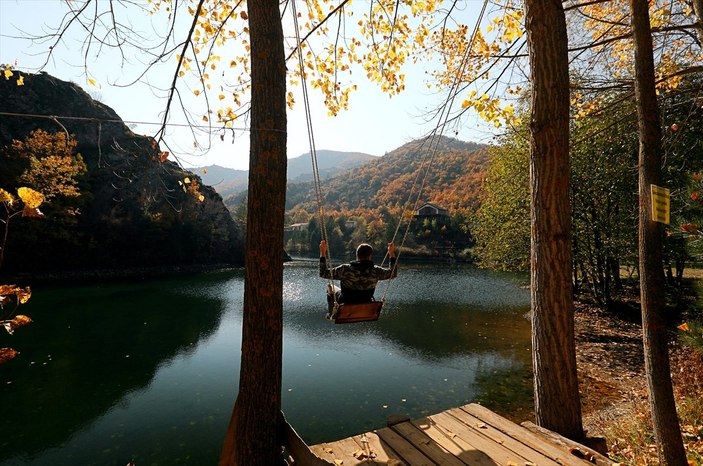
453	181
112	200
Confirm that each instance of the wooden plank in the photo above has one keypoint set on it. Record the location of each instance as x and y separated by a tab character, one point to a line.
379	452
340	450
453	443
502	438
590	454
298	450
422	442
532	440
455	428
358	312
407	451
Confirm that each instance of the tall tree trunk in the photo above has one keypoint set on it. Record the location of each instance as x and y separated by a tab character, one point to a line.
656	354
252	437
698	10
557	403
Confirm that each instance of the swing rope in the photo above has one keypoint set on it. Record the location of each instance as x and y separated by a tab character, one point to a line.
433	144
432	141
313	152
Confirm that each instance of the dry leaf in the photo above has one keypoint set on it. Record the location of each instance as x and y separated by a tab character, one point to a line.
32	212
339	462
7	354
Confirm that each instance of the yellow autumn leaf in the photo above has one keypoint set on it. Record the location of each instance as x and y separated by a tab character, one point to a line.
31	198
8	73
186	180
204	171
92	82
684	327
20	81
201	198
5	196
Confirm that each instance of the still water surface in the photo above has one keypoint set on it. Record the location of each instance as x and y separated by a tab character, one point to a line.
147	371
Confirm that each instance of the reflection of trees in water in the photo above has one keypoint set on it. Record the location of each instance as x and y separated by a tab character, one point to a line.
86	353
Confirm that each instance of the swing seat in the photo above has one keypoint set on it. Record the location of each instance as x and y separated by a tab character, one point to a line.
357	312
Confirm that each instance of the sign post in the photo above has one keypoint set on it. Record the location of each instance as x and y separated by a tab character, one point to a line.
660	204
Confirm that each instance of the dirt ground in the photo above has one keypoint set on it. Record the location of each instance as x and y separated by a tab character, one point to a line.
613	383
610	361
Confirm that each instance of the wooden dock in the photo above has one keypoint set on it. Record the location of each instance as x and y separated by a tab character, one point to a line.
469	435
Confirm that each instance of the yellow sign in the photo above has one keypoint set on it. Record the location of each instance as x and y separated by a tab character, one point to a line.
660	204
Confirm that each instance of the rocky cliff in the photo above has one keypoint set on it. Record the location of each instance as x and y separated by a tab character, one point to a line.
137	210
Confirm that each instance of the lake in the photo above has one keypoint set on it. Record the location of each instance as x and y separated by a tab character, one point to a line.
147	371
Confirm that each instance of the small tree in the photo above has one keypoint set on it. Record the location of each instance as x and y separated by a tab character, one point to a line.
11	296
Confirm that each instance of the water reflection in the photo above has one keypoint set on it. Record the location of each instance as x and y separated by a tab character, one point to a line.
148	371
88	349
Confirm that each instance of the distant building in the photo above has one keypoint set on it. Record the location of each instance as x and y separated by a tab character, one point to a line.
297	227
431	211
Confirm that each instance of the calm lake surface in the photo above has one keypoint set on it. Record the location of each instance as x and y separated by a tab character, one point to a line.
147	371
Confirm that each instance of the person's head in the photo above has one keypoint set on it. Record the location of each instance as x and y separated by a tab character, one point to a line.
364	252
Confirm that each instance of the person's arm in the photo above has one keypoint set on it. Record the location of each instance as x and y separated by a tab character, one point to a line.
392	270
324	271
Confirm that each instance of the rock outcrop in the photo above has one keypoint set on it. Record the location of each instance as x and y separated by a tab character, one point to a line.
138	211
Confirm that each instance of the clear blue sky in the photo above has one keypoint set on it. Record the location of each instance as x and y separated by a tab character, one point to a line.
375	123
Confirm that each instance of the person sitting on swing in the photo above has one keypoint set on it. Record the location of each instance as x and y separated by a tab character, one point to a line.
358	278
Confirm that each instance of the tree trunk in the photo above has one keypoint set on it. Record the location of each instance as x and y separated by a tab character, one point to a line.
252	437
698	9
557	403
656	356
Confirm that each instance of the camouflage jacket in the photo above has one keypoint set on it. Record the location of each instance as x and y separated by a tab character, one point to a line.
358	279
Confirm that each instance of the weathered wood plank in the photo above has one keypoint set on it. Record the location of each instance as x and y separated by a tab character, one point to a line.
340	450
379	452
497	452
503	438
517	432
454	444
591	455
422	442
297	449
407	451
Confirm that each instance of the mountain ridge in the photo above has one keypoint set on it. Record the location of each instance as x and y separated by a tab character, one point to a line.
453	181
230	181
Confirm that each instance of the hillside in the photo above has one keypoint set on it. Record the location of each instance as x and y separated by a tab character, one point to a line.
229	182
134	210
453	181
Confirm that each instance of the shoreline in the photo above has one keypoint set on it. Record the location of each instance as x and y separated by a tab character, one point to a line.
88	276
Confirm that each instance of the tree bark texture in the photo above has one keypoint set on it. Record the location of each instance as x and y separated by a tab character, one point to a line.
652	282
252	437
557	403
698	10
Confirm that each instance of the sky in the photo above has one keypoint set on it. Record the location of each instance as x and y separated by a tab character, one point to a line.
374	124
